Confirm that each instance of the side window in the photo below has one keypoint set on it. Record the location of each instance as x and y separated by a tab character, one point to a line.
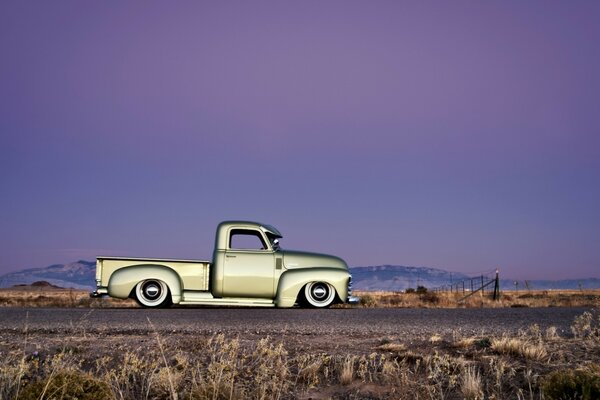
242	239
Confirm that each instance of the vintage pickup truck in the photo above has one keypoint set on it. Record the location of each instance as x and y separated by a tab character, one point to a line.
248	269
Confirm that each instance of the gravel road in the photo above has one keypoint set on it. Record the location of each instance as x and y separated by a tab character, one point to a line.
360	322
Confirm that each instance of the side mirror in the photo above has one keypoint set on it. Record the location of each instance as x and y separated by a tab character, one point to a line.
276	244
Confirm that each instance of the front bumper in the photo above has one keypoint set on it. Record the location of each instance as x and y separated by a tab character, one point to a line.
351	299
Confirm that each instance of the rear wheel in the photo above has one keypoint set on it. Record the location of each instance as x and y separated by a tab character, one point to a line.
319	294
152	293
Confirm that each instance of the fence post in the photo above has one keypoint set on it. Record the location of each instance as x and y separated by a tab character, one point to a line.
482	288
497	287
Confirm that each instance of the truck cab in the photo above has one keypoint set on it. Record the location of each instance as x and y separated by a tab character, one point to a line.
246	252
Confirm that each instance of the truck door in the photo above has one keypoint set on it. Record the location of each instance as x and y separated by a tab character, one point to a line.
249	265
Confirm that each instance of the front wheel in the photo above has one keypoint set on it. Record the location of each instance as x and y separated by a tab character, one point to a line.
319	294
152	293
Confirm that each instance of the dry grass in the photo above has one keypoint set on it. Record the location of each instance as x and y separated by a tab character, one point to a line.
520	347
471	384
435	338
545	298
465	342
51	297
531	364
393	347
221	367
347	371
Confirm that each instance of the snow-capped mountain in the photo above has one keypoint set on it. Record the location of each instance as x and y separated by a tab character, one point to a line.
77	275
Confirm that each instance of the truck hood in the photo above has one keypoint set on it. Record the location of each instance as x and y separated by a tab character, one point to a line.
301	259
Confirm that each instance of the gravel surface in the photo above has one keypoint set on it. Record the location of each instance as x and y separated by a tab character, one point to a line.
360	322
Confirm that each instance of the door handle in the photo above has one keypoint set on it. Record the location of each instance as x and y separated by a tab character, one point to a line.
230	256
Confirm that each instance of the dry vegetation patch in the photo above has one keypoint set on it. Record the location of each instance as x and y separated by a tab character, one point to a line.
428	299
530	364
144	364
48	296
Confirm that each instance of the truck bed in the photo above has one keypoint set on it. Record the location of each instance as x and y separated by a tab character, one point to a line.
194	273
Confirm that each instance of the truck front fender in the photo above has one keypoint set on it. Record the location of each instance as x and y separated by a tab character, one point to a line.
292	281
123	281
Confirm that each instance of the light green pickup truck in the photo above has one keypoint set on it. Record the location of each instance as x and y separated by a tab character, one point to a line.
248	269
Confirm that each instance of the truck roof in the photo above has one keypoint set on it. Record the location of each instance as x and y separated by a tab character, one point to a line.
252	224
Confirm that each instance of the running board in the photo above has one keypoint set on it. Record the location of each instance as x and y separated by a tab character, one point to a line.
205	298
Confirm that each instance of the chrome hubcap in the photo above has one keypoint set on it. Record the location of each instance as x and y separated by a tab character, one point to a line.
319	292
152	291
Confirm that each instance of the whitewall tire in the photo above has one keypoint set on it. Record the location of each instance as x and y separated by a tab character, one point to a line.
319	294
152	293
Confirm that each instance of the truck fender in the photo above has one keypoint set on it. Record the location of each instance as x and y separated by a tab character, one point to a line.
292	281
123	281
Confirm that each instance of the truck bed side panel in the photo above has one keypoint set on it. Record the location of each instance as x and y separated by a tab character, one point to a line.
194	275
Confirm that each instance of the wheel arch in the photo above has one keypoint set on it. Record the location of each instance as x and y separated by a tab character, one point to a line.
123	281
292	281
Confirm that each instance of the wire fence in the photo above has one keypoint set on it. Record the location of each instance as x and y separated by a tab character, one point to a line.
472	285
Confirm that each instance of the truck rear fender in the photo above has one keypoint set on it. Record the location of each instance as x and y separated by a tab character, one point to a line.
292	281
123	281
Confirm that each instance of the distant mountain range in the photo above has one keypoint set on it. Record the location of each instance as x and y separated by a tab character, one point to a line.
398	278
82	274
77	275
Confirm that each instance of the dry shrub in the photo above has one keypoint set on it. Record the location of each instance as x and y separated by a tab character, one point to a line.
270	370
499	372
471	385
164	382
12	371
582	384
67	384
347	372
552	333
368	301
586	326
132	377
443	374
309	368
217	380
233	372
429	297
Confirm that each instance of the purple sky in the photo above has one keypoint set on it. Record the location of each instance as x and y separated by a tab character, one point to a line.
463	135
